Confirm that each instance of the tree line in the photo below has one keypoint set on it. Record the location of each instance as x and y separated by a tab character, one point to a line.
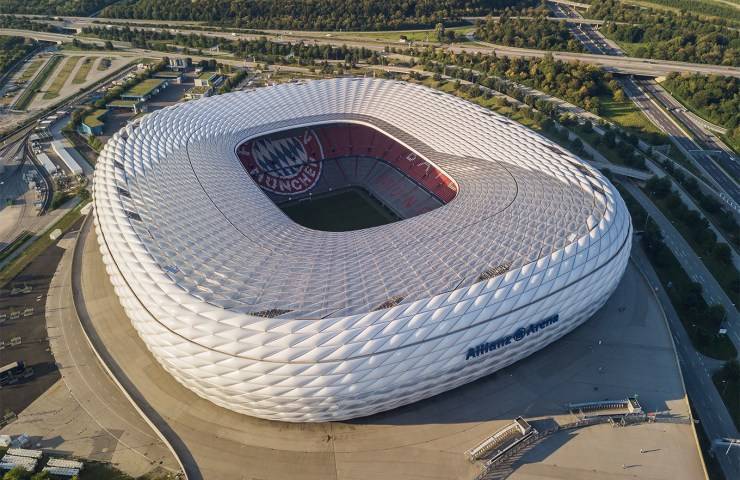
578	83
537	32
23	23
12	49
260	49
715	9
715	97
669	36
701	320
53	7
312	14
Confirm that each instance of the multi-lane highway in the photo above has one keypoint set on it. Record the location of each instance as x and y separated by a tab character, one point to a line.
629	65
723	155
637	91
717	161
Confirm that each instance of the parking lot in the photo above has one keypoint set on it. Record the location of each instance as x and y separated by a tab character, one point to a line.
23	335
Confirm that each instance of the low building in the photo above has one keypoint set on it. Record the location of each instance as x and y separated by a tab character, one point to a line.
144	90
198	92
46	163
93	123
179	64
171	77
132	105
208	79
61	151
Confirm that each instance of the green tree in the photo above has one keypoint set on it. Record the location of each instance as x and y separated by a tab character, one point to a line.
439	32
659	186
17	473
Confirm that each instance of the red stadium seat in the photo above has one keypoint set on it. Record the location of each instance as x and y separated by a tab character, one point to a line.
357	155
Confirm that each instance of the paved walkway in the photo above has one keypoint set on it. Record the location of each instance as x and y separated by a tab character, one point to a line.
85	414
626	348
709	406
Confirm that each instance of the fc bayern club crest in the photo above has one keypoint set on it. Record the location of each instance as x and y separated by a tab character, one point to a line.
285	166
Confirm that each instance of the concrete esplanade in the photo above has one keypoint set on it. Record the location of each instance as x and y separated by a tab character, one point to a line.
268	318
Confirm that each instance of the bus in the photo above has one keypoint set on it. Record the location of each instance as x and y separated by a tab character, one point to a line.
11	372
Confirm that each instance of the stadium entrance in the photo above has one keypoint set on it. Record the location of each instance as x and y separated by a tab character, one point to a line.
344	176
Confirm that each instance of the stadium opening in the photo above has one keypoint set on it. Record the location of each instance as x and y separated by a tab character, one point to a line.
331	249
344	176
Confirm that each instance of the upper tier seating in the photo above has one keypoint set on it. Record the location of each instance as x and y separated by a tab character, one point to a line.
357	155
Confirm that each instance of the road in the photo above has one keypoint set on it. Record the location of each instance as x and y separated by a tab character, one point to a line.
691	263
84	413
711	410
721	166
635	90
721	154
629	65
13	186
88	381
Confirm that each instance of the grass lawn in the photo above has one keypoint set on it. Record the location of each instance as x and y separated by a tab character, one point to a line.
629	48
31	70
341	211
93	120
37	82
38	246
627	115
731	7
123	103
14	245
61	77
733	143
81	75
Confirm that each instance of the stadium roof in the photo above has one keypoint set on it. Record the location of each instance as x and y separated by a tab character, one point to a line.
191	223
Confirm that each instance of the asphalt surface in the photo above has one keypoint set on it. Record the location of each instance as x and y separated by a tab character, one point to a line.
637	90
629	65
624	349
692	264
649	97
22	305
713	155
84	414
712	413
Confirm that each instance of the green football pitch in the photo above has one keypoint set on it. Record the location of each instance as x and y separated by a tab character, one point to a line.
340	211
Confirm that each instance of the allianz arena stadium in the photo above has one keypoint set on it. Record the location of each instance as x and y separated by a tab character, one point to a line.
331	249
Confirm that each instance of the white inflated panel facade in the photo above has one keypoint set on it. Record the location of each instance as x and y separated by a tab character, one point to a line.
534	242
